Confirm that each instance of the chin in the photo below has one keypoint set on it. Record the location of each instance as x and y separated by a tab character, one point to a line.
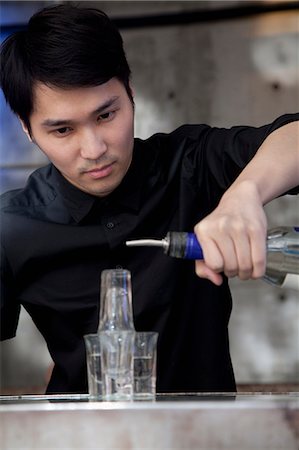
101	192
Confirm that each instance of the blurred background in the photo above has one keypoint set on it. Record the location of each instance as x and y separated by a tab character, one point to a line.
222	63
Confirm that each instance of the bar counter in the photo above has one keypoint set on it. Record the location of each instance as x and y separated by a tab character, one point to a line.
173	421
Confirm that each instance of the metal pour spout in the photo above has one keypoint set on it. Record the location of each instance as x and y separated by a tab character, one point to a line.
176	244
162	243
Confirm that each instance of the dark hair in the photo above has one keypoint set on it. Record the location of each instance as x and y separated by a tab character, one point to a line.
63	46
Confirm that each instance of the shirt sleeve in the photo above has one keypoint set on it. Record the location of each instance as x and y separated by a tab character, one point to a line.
225	152
9	307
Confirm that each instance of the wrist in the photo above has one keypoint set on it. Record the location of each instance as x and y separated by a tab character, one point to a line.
243	190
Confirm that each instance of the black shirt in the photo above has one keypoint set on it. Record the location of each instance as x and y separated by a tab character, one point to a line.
57	239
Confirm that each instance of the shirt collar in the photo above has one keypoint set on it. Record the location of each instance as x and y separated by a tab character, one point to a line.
129	192
78	202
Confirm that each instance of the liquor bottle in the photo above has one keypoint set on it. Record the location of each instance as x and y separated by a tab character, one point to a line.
282	250
116	311
283	257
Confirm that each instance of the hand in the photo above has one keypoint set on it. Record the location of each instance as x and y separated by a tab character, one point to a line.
233	236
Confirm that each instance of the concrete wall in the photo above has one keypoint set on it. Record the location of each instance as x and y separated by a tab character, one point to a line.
224	73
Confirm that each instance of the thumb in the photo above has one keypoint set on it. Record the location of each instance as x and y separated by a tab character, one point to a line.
203	271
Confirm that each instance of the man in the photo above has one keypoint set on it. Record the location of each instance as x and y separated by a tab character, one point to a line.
68	80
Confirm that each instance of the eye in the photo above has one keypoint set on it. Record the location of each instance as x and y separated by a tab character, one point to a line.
62	131
106	116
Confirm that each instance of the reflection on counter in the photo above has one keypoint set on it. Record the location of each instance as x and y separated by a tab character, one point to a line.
160	397
174	421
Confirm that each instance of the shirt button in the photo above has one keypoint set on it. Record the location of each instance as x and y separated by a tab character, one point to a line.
110	225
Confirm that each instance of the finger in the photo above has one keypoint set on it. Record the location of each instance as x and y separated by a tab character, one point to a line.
243	255
212	255
230	262
203	271
259	255
220	255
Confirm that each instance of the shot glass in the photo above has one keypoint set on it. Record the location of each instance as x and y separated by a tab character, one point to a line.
94	367
117	365
145	366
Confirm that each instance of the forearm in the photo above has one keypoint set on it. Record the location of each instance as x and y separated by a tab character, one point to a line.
275	167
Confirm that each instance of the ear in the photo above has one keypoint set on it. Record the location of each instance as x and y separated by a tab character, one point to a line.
25	129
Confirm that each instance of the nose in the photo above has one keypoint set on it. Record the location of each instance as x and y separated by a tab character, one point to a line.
92	145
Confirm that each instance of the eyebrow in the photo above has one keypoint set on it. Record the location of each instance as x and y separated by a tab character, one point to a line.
63	122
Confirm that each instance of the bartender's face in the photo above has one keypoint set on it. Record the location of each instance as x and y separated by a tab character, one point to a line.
87	133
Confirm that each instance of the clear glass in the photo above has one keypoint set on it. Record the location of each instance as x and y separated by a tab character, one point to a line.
116	311
94	366
117	365
145	366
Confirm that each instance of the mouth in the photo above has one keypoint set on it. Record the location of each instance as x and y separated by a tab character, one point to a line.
100	172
